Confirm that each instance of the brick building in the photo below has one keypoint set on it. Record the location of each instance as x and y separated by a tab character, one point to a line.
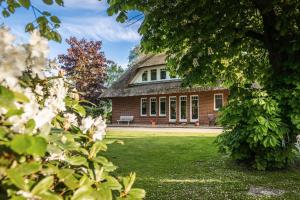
149	93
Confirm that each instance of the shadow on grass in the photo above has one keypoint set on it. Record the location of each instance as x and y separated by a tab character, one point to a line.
189	167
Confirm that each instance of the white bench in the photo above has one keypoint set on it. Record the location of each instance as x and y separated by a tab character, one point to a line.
127	119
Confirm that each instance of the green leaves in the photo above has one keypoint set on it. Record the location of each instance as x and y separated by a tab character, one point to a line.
31	145
25	3
43	185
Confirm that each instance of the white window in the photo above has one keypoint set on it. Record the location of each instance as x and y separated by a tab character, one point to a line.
152	106
182	108
194	108
163	74
153	74
143	106
162	106
172	109
218	101
145	76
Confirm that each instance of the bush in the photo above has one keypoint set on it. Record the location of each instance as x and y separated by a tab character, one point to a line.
254	130
50	149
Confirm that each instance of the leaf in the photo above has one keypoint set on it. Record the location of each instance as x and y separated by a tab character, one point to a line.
14	111
25	144
103	194
77	160
20	143
38	146
128	182
43	185
80	110
59	2
84	192
16	174
21	97
112	183
25	3
50	196
55	19
97	146
136	193
30	125
48	2
66	176
6	98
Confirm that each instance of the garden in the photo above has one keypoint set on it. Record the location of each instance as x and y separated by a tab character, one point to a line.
188	166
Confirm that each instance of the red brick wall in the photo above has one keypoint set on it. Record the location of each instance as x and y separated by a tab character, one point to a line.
122	106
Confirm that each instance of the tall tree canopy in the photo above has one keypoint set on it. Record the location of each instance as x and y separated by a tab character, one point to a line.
85	64
240	42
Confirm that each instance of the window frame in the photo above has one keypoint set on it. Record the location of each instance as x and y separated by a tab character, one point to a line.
150	106
172	120
141	107
180	119
217	109
155	74
191	108
159	110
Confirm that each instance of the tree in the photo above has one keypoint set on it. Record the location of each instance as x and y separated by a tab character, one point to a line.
134	54
45	22
85	65
114	71
240	43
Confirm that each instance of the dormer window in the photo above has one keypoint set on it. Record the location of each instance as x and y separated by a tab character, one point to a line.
145	76
153	74
163	74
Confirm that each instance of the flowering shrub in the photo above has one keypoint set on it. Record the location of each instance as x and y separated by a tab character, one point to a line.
50	149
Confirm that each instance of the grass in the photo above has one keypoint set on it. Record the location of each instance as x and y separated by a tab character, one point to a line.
187	166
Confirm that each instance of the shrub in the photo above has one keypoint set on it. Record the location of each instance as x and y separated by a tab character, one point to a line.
254	130
50	149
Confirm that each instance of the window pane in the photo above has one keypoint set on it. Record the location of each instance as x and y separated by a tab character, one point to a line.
145	76
163	74
162	106
195	107
144	107
153	106
153	74
173	108
218	101
182	107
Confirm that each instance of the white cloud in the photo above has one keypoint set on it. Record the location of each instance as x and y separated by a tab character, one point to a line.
86	4
102	27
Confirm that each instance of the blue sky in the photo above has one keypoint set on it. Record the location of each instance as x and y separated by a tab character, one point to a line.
83	19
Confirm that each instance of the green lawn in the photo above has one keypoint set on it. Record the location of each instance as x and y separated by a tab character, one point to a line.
188	166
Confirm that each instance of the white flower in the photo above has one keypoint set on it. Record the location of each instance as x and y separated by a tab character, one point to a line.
39	90
57	156
43	117
71	118
100	127
86	124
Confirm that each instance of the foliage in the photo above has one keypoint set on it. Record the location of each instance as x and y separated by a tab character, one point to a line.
85	64
235	42
134	54
259	136
114	72
44	21
50	149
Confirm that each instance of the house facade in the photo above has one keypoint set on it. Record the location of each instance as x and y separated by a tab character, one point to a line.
149	93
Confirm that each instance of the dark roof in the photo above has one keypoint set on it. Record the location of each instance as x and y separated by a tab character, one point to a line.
123	88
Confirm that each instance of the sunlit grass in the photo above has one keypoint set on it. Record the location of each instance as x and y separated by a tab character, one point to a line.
187	166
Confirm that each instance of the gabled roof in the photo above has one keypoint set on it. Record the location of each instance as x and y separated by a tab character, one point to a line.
123	88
